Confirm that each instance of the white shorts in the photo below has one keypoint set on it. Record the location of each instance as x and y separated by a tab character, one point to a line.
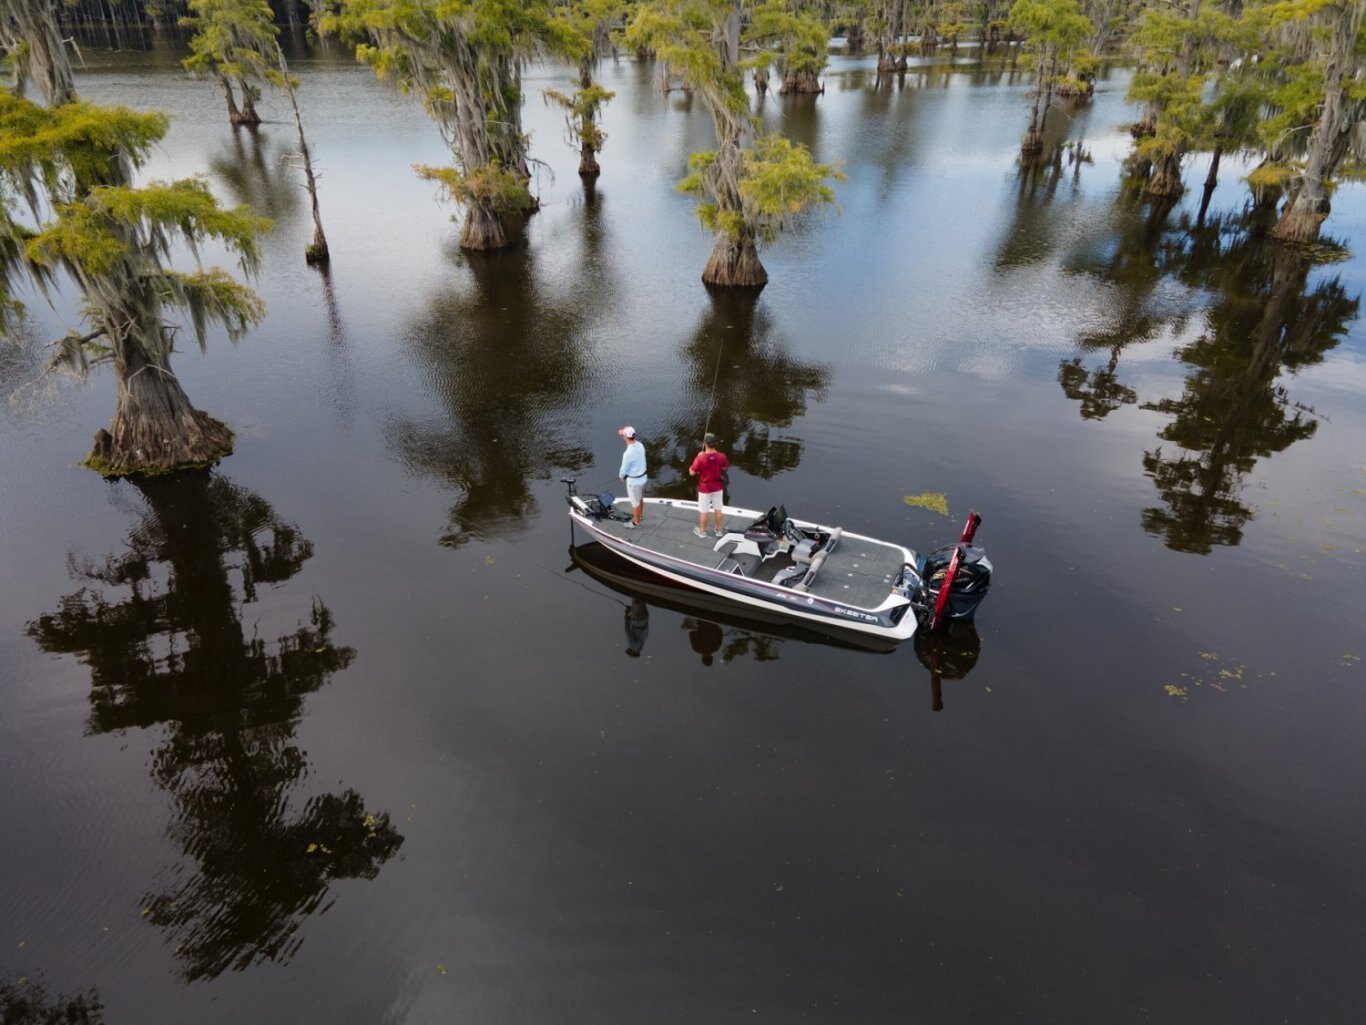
635	492
709	500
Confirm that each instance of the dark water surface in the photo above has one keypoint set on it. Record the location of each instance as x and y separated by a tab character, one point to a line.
332	735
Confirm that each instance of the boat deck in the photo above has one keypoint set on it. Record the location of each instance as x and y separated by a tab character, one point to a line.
859	572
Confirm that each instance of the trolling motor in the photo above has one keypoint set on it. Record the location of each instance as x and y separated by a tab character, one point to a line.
595	507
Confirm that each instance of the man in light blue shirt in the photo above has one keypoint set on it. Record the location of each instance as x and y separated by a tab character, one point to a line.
633	474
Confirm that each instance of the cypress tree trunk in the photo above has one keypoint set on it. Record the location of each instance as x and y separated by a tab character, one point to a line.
1166	179
155	428
734	263
1033	140
317	252
1211	180
248	116
234	115
482	228
1309	206
588	154
800	82
734	260
588	162
43	60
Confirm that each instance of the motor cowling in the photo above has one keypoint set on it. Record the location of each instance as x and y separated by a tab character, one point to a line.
970	583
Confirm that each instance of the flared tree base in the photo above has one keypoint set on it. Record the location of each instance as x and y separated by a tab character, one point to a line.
1301	220
1166	180
801	82
483	230
190	440
734	264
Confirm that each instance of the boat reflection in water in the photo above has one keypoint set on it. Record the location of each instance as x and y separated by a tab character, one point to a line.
724	631
948	655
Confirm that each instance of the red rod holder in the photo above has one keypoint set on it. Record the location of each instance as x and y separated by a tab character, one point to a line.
941	603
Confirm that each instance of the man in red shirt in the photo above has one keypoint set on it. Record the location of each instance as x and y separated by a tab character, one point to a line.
709	468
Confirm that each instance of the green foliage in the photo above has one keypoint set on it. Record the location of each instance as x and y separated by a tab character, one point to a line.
1272	174
213	296
232	37
588	23
114	239
68	149
1185	119
489	186
786	34
777	182
700	40
1052	27
93	234
463	58
581	113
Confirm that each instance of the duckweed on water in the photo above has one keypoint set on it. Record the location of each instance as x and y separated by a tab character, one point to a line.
931	500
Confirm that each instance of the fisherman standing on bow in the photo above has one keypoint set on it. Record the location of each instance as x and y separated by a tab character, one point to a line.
710	470
632	474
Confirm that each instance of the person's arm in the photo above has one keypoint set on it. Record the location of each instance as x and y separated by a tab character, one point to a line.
692	470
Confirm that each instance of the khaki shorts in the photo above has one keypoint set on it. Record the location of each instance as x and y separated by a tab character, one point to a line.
709	500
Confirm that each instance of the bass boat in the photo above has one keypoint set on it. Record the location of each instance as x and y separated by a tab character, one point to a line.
800	570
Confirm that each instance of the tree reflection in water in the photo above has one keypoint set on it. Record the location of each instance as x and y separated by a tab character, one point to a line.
1265	319
169	650
257	173
508	363
27	1002
758	387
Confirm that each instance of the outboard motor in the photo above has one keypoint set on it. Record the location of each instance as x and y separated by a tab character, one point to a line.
971	580
948	584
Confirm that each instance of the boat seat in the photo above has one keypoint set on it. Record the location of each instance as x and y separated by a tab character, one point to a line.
819	561
741	565
737	544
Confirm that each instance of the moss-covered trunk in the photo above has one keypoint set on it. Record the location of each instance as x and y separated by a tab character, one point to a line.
734	263
41	58
801	82
247	116
1032	143
1308	206
483	228
1166	179
484	124
234	115
588	162
155	428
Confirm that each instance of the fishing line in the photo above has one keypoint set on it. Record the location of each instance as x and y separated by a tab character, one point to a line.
711	403
579	583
